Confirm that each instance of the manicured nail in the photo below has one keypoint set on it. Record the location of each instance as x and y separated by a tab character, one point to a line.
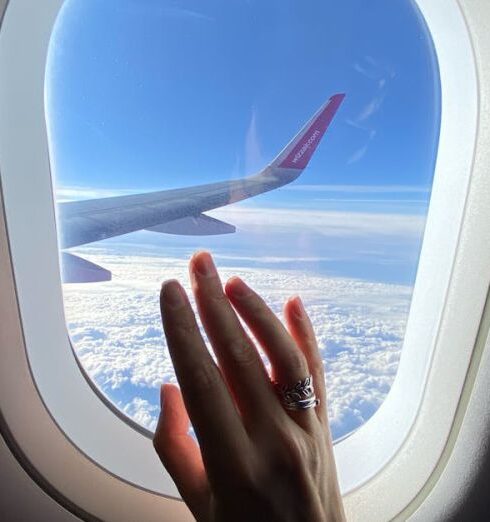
173	294
238	288
298	308
203	264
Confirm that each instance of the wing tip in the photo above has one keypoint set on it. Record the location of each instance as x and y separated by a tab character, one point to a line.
300	150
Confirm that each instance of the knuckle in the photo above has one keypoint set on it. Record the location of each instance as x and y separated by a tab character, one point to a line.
183	322
309	336
255	305
215	295
295	361
295	453
317	368
186	328
202	379
246	473
295	457
242	353
246	480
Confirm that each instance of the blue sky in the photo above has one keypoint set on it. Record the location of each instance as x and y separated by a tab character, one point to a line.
145	95
152	94
158	93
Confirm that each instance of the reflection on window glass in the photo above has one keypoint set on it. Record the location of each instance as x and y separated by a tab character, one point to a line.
156	95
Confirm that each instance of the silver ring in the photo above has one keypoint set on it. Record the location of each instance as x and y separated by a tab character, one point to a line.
299	396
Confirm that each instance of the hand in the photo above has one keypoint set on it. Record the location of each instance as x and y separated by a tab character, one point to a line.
256	461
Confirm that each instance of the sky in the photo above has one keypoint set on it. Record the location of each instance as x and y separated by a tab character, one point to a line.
151	94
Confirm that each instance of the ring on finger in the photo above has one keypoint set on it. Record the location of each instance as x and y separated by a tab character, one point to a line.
299	396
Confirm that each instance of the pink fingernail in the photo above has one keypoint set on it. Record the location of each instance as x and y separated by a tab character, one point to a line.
298	308
203	264
238	287
173	294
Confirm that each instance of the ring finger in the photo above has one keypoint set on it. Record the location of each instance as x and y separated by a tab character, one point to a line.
289	365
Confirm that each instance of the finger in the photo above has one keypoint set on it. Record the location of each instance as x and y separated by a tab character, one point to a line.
237	356
288	362
206	397
301	329
180	453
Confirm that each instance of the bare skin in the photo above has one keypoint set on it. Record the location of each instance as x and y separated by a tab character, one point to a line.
255	461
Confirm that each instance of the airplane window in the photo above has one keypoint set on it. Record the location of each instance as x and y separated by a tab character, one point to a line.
297	143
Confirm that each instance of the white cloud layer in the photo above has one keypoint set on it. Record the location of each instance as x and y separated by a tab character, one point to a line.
360	189
325	222
117	334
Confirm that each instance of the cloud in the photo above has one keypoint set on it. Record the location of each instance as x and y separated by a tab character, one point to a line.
272	259
363	70
139	8
369	109
116	332
358	155
142	412
362	189
374	70
377	75
179	12
326	223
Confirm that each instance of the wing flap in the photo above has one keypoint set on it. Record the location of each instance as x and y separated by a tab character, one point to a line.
200	225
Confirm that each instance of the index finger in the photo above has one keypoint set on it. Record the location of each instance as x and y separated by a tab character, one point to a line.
206	397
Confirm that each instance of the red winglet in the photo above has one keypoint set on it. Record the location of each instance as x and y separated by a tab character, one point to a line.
298	153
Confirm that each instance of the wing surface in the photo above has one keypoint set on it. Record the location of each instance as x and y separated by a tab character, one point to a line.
83	222
201	225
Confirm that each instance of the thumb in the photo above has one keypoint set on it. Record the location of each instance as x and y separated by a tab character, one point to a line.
179	452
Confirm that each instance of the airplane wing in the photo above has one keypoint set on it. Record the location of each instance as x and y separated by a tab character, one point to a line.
180	211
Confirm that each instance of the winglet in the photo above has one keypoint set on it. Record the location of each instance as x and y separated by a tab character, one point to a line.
298	152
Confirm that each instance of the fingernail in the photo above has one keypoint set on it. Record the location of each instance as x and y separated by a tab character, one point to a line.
203	264
173	294
238	288
298	308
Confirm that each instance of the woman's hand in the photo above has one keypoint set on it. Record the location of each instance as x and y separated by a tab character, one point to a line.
256	461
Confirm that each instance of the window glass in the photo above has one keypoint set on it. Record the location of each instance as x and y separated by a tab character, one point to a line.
154	95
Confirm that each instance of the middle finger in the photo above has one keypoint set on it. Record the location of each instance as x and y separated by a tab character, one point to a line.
238	358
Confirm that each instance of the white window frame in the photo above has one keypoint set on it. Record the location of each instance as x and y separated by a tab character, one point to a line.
56	420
